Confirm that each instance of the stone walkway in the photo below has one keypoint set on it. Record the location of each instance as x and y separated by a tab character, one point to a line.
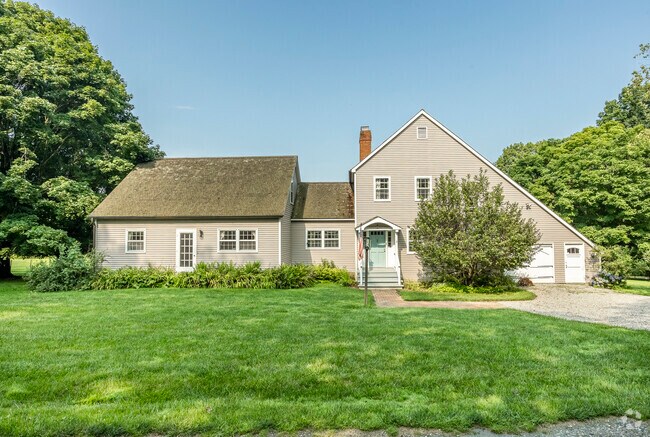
572	302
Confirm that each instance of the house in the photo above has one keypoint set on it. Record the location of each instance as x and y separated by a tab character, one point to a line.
177	212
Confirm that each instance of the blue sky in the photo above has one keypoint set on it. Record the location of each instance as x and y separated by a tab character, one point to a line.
276	78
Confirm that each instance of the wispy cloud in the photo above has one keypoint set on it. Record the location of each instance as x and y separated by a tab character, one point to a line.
184	108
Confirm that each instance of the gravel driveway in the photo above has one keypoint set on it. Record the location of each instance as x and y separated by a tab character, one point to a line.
588	304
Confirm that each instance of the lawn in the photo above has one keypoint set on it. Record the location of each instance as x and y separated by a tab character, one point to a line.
636	286
171	361
467	297
20	266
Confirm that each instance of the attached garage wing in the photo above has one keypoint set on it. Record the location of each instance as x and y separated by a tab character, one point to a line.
542	267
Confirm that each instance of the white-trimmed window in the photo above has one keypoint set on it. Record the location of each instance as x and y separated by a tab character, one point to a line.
409	241
422	133
382	188
323	239
238	240
135	241
422	188
314	239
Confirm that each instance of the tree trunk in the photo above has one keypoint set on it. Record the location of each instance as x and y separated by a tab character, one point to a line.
5	268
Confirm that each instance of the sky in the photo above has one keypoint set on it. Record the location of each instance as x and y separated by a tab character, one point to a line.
238	78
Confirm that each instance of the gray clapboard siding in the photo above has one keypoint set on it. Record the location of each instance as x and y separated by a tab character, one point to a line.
406	157
343	257
161	242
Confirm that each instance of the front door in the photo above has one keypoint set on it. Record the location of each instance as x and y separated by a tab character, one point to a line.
574	263
377	257
185	250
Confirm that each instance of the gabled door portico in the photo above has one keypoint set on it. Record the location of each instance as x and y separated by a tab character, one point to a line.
383	254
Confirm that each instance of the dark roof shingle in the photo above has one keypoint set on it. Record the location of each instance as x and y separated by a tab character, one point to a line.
203	187
324	200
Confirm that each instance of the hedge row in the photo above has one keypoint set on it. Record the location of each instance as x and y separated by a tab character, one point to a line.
74	271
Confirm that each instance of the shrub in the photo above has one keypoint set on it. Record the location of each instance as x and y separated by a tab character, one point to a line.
72	270
222	275
456	287
604	279
616	260
466	232
327	271
524	282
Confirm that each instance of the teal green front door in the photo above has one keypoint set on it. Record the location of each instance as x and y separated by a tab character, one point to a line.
377	257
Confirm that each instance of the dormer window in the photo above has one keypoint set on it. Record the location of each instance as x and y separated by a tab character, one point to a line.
422	133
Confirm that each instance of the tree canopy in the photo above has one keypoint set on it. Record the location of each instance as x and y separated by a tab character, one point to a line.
632	108
67	131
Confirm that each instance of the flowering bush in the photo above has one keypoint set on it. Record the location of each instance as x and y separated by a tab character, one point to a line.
604	279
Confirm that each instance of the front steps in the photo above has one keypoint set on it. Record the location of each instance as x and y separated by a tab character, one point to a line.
381	277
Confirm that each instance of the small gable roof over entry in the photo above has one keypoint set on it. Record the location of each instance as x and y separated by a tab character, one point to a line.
202	188
324	200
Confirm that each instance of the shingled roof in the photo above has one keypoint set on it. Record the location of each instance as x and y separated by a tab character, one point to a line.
202	187
324	200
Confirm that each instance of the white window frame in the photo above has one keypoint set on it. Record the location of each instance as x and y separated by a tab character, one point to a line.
322	239
426	132
126	240
408	242
374	188
237	240
415	184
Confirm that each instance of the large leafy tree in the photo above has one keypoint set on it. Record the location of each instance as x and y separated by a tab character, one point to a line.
596	179
67	132
632	108
468	233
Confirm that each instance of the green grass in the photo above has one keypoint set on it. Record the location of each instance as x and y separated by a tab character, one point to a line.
636	286
467	297
20	266
189	362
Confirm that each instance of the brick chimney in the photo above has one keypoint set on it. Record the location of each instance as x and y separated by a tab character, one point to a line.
365	142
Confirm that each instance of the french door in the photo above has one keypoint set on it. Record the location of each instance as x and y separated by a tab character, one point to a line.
185	250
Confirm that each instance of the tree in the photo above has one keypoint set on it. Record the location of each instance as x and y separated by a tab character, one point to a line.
67	132
466	231
632	108
596	179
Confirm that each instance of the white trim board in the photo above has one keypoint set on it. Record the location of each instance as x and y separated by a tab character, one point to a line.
491	166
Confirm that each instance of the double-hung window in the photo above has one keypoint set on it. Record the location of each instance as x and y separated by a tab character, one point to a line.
323	239
238	240
135	241
422	188
382	188
422	133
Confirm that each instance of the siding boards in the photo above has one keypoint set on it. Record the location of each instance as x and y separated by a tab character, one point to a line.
161	242
406	157
342	257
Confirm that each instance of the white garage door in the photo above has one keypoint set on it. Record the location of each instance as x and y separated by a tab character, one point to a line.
542	268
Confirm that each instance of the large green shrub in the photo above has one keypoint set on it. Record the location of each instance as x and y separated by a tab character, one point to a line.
467	233
72	270
328	272
616	260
